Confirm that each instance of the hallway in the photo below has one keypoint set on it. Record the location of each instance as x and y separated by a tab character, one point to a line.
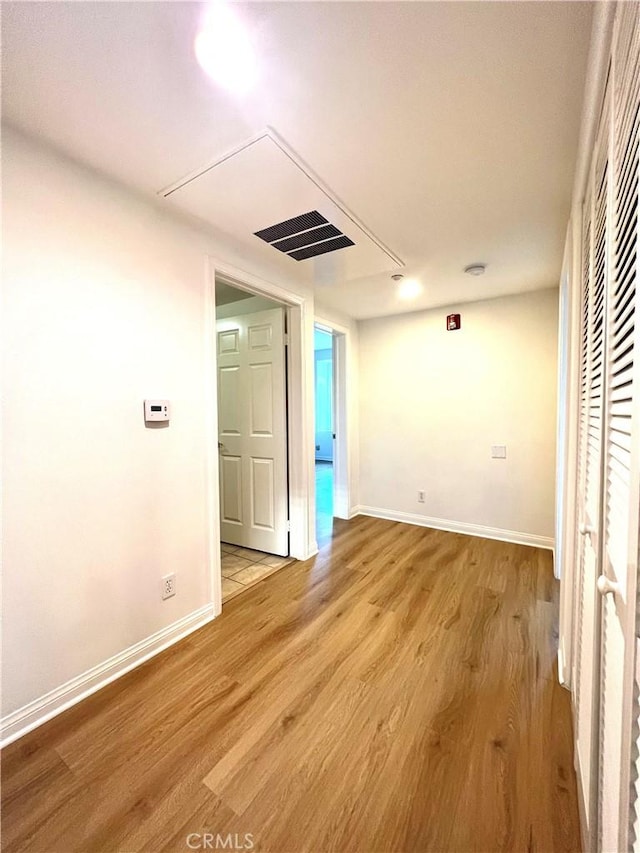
395	693
324	501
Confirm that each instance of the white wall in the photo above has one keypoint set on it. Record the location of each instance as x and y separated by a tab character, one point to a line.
104	305
432	403
324	402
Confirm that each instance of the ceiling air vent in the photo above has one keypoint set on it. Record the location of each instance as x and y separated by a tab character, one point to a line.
321	248
305	236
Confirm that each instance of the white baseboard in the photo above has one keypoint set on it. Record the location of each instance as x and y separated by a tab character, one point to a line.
29	717
458	527
556	567
582	803
355	510
313	550
563	675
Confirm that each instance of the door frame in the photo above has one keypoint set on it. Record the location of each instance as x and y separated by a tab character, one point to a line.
342	468
565	563
565	568
300	425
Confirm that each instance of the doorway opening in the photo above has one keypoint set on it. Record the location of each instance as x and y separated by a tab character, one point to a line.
252	437
334	425
324	431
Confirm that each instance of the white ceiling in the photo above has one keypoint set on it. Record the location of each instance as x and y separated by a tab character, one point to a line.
264	184
449	129
226	294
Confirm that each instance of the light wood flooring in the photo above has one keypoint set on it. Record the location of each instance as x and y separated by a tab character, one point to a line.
396	693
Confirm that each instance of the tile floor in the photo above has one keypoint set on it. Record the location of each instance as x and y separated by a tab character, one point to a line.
242	568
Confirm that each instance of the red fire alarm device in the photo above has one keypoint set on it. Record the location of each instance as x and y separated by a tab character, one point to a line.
453	322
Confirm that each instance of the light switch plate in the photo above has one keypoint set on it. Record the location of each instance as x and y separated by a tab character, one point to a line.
499	451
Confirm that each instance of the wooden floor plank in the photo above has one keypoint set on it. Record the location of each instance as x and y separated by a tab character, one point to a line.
396	693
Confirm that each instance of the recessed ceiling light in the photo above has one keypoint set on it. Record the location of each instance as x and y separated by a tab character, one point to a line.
475	269
409	288
224	50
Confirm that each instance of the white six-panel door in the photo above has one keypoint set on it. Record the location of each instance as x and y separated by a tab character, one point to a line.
252	431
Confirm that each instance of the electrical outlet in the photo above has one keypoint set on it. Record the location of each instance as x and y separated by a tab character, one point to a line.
168	586
421	496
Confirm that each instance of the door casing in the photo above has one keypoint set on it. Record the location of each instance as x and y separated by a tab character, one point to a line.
300	417
341	422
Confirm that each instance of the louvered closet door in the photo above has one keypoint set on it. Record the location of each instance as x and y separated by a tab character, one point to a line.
618	581
585	555
590	483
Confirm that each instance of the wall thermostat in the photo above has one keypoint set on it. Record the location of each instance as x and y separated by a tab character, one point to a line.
156	410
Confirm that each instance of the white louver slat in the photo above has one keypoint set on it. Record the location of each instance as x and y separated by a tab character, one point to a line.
589	488
583	427
596	325
620	499
595	279
622	322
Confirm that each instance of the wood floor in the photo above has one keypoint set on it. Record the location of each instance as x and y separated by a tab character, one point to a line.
396	693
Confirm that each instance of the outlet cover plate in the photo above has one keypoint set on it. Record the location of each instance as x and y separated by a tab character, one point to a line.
168	586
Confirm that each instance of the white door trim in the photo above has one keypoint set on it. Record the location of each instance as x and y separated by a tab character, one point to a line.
211	444
567	570
342	447
568	417
300	401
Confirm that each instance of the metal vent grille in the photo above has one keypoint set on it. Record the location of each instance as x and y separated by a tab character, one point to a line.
321	248
305	236
291	226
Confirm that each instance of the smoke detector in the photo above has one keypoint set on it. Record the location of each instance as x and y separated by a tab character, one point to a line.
475	269
397	276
